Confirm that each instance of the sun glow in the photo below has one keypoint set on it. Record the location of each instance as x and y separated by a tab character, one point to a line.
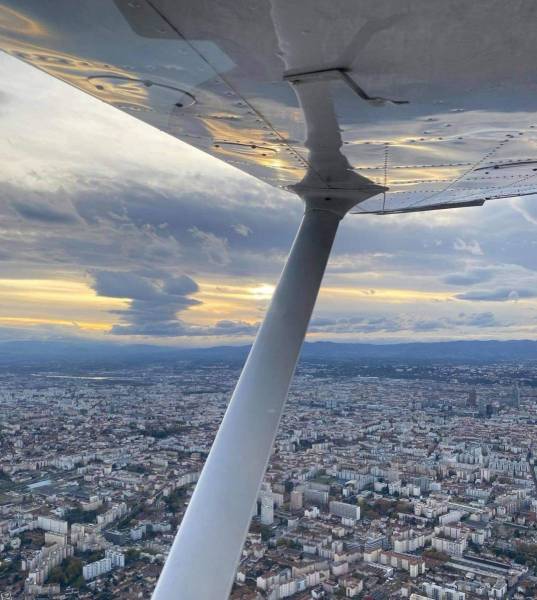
263	291
56	302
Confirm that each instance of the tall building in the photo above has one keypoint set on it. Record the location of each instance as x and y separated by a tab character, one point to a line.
97	568
267	508
486	410
472	398
116	556
297	499
516	396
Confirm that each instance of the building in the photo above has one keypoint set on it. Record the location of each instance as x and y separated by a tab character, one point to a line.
297	499
54	525
472	398
438	592
453	547
40	563
412	564
116	557
316	497
344	510
374	542
353	587
97	568
410	540
267	508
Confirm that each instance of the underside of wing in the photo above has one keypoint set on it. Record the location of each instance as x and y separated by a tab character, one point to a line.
405	105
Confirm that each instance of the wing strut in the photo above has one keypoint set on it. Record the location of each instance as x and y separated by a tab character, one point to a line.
206	551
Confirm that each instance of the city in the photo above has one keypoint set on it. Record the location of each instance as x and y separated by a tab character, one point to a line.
392	479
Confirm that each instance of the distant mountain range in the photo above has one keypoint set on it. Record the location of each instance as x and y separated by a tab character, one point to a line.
58	354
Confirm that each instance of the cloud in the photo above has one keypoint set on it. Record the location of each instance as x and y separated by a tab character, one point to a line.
462	320
215	248
154	302
41	211
484	319
469	277
242	230
105	224
43	331
125	285
178	328
161	328
524	210
501	294
96	200
355	325
226	327
402	323
472	247
180	286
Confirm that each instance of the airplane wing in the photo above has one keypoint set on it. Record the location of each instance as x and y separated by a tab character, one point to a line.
417	101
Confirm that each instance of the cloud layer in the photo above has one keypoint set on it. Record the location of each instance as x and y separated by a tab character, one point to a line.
167	244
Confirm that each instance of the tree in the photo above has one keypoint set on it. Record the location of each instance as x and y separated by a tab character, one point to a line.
266	533
79	515
433	554
131	556
67	573
176	499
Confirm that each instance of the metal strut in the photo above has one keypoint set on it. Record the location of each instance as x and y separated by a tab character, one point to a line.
206	551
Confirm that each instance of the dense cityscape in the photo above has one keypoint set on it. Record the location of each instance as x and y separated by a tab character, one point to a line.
401	480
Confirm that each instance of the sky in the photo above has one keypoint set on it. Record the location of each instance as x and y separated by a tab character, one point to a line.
112	230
